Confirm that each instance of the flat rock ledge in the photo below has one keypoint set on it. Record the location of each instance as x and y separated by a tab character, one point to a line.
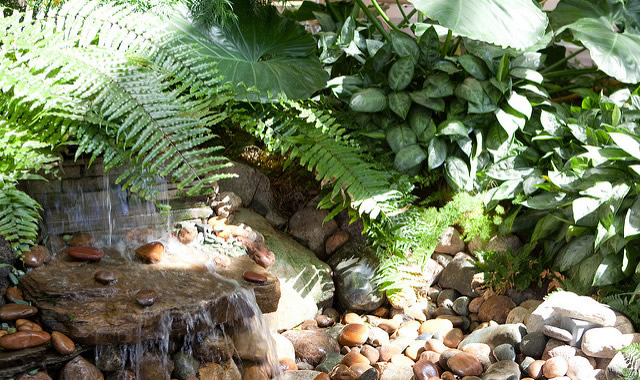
189	296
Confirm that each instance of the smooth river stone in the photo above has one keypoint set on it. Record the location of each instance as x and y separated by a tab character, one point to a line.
146	297
13	311
254	277
106	277
24	339
36	256
464	364
26	325
62	343
86	253
14	294
151	252
353	335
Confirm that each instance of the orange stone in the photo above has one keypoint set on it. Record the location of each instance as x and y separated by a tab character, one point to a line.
353	357
151	252
62	343
322	376
288	364
24	339
86	253
26	325
14	294
353	335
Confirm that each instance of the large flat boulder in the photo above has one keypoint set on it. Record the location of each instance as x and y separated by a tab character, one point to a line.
189	295
305	281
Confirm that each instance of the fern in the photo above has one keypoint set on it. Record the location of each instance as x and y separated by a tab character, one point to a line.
632	356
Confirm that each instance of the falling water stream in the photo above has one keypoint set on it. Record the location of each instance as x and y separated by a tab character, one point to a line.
119	222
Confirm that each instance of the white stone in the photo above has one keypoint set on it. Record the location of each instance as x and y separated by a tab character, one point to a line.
628	339
377	337
300	375
284	347
580	369
602	342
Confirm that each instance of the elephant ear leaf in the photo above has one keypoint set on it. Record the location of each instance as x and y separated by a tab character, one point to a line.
594	24
261	50
509	23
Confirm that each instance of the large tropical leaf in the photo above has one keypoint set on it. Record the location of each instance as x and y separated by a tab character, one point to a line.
596	25
508	23
262	55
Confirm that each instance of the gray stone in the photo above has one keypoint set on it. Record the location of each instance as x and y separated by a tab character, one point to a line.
504	352
459	274
80	369
624	324
331	360
502	244
370	374
433	292
7	259
566	304
446	298
450	242
425	336
432	271
502	370
397	372
184	365
305	281
300	375
109	358
461	305
557	333
354	229
496	335
576	328
311	346
442	258
533	344
526	362
602	342
307	226
354	267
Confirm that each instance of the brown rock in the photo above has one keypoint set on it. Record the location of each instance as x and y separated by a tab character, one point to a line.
464	364
354	357
481	351
187	234
335	241
146	297
448	376
38	376
13	311
474	305
254	372
445	356
14	294
80	369
27	325
535	369
496	308
453	338
424	369
388	351
122	374
105	277
555	367
342	372
456	320
381	312
254	277
261	256
360	368
3	333
435	325
151	252
370	353
322	376
62	343
350	318
82	239
389	325
86	253
431	356
24	339
324	320
311	346
353	335
288	364
309	324
36	256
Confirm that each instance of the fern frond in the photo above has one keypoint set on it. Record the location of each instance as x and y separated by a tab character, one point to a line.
19	216
632	356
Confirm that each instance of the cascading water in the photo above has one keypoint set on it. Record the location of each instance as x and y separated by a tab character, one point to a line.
224	333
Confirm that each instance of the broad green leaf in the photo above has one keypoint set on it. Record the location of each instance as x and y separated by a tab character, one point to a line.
400	137
594	24
507	190
632	220
368	100
400	103
347	32
514	23
456	172
627	143
269	53
437	153
409	157
545	227
405	46
422	124
429	45
520	103
609	271
344	87
585	210
510	122
585	271
401	74
438	86
577	250
546	201
503	69
421	98
452	128
528	74
474	66
470	90
326	21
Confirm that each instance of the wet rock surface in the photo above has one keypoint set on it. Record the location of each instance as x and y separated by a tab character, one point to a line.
110	314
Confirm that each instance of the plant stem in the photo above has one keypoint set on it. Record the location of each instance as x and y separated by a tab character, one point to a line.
374	20
445	48
408	20
404	16
574	72
384	15
562	61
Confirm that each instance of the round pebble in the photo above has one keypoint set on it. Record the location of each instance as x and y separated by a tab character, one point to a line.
446	298
533	344
146	297
322	376
324	320
461	305
353	357
505	352
13	311
453	338
557	333
555	367
435	346
86	253
151	252
474	305
14	294
425	369
105	277
24	339
62	343
350	318
370	353
435	325
353	335
464	364
254	277
26	325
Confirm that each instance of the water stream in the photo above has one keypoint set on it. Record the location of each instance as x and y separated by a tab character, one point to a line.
119	222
